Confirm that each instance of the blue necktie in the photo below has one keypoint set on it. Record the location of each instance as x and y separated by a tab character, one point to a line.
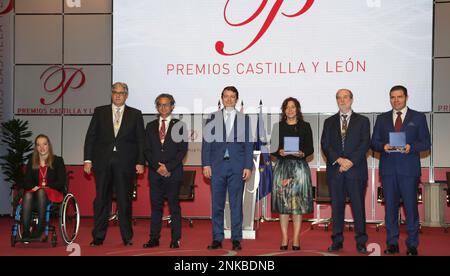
227	126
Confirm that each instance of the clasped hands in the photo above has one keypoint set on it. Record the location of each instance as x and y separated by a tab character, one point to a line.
344	163
162	170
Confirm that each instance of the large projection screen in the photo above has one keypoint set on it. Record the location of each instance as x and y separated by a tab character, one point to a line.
273	49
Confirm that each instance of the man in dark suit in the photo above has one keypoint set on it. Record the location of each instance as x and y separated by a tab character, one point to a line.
114	150
227	158
165	149
345	142
400	171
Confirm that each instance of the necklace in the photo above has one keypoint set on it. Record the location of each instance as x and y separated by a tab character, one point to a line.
43	175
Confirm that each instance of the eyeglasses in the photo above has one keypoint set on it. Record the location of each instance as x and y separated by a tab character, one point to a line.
119	93
163	105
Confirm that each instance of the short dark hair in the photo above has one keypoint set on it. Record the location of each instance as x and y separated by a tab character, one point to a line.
231	88
165	95
399	87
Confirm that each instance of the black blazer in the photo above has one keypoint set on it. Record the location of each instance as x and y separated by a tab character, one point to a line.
302	130
171	153
129	143
56	176
357	143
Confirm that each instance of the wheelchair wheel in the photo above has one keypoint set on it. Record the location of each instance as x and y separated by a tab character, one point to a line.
69	218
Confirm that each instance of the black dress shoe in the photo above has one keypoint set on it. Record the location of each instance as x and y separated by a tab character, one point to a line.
361	248
174	244
411	251
127	242
215	245
26	237
296	248
392	249
335	247
236	245
152	243
283	247
95	243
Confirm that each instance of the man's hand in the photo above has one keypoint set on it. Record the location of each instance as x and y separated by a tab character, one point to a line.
246	174
387	148
345	164
139	169
162	170
407	148
207	172
87	167
282	152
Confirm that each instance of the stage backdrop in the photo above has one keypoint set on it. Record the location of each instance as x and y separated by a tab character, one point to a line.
272	49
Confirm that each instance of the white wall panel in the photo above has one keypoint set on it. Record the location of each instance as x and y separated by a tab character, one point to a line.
442	30
38	39
29	90
74	133
441	138
48	125
87	39
441	89
88	6
38	6
96	90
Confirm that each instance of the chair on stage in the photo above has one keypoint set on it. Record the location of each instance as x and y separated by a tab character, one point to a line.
380	199
187	193
322	196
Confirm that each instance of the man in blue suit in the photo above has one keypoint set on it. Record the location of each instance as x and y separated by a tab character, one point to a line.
345	142
227	158
400	171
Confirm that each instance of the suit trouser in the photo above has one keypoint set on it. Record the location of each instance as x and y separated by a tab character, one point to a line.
340	186
394	188
122	182
170	187
221	182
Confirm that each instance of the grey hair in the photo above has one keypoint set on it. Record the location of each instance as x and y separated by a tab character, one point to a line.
120	84
345	89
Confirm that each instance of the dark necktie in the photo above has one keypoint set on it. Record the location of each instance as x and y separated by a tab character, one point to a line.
398	122
162	131
344	129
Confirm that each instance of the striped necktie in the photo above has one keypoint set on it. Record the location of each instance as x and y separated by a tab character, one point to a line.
344	129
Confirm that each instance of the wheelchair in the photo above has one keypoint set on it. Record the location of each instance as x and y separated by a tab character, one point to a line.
66	213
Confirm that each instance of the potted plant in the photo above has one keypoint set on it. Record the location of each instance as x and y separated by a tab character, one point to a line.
14	135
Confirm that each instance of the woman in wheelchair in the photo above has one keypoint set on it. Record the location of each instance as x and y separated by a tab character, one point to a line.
44	182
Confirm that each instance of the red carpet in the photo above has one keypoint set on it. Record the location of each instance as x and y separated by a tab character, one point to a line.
433	242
